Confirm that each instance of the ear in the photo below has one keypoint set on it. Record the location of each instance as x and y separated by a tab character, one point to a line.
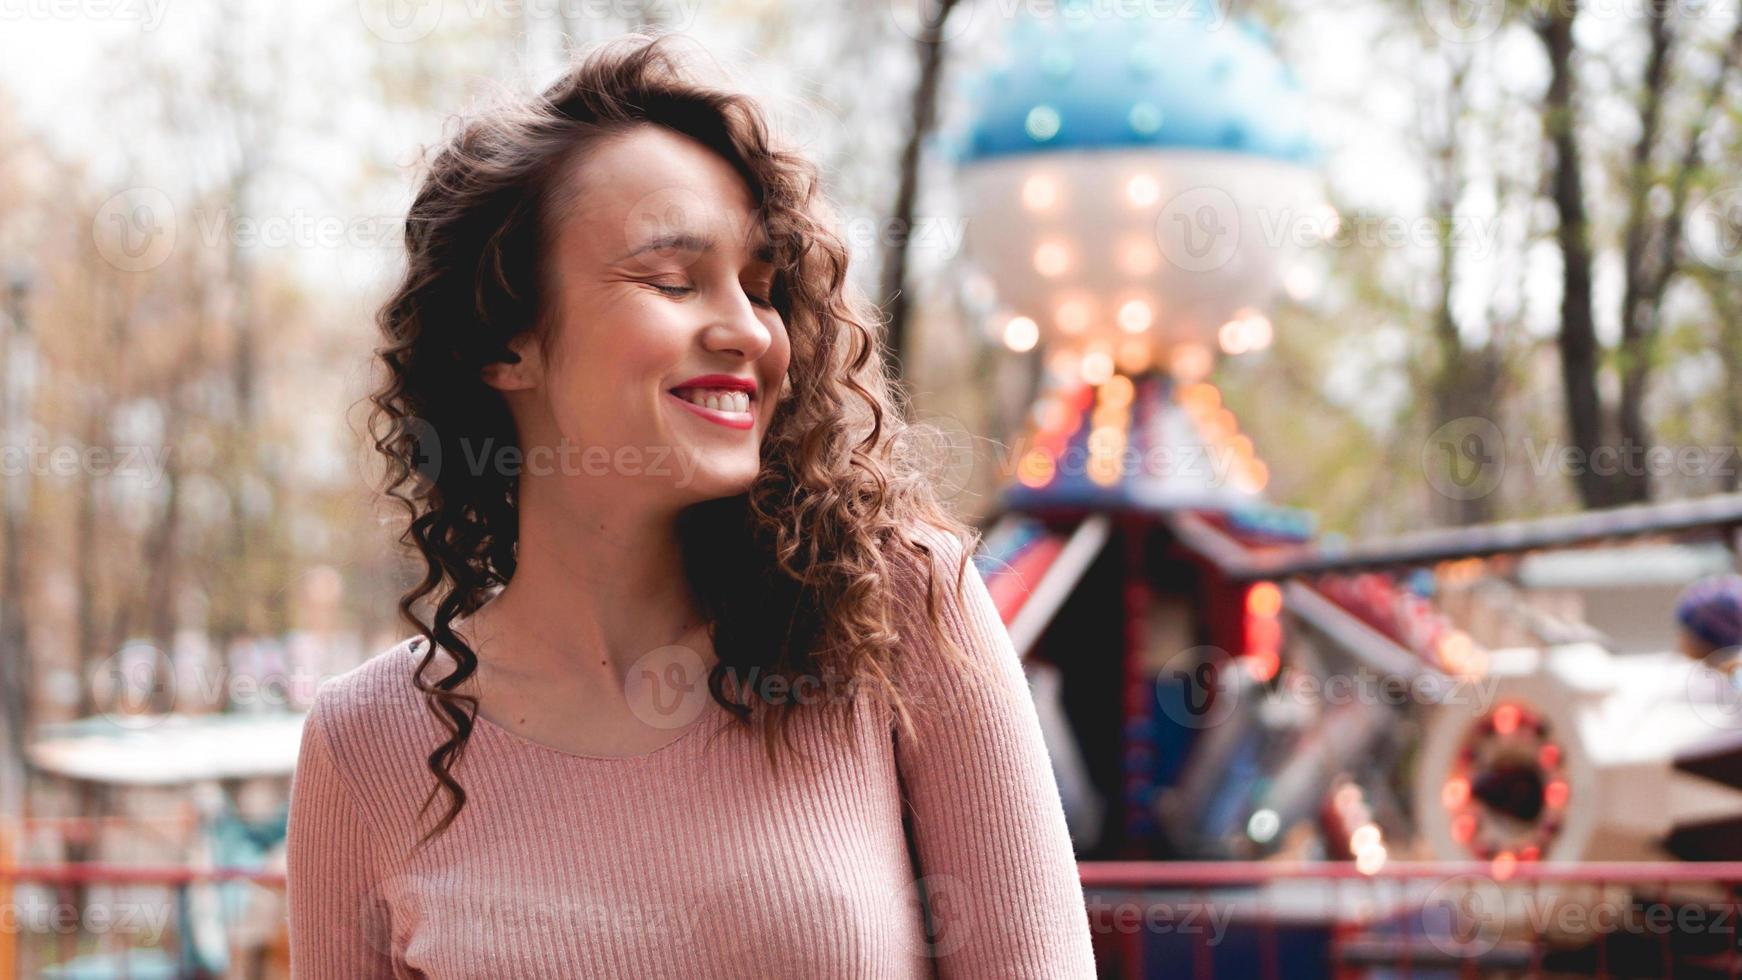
522	368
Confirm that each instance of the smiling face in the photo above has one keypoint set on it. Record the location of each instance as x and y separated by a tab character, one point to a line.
662	343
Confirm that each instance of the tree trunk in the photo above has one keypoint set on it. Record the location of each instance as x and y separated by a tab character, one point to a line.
925	98
1578	334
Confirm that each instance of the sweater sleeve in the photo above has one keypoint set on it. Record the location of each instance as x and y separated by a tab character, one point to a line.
997	870
339	926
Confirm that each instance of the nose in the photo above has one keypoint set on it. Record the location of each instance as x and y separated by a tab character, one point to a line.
735	327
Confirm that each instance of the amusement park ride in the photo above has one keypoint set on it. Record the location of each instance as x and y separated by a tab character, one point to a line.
1214	682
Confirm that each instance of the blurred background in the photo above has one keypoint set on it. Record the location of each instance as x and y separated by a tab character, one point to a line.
1349	394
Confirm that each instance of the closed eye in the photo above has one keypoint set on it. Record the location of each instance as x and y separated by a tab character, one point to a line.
686	290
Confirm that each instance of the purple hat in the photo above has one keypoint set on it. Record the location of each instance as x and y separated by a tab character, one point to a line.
1711	610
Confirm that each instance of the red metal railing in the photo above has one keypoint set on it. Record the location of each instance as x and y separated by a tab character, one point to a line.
1364	923
1599	919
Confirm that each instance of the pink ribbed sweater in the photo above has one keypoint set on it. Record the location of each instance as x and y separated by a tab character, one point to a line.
694	860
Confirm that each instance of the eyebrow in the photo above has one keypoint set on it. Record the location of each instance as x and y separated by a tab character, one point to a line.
690	242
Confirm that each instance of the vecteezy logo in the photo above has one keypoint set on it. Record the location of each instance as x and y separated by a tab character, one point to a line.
918	19
1464	915
943	904
135	686
1714	230
1198	687
135	230
1465	458
1199	229
1463	21
400	21
1713	691
666	686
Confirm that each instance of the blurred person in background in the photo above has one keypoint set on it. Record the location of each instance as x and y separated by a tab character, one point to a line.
1708	615
703	678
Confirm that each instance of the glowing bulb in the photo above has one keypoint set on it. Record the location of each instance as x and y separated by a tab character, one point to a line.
1036	469
1040	192
1257	475
1137	257
1248	330
1259	332
1264	599
1073	316
1364	838
1135	316
1263	825
1201	397
1506	719
1052	259
1232	337
1134	355
1301	283
1021	334
1117	392
1142	191
1190	362
1328	222
1371	860
1097	367
1042	123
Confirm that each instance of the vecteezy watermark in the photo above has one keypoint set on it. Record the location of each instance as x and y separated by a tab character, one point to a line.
945	905
667	687
409	21
148	14
927	234
1309	227
65	461
1201	687
569	459
918	18
1468	915
1713	692
1201	228
1470	21
27	914
135	229
1632	459
1714	229
297	227
1466	458
1128	918
428	455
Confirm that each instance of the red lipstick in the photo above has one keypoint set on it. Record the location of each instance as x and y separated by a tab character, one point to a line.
726	381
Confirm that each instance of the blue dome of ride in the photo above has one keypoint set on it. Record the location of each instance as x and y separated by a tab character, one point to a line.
1083	78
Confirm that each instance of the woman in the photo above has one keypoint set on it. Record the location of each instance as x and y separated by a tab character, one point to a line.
708	686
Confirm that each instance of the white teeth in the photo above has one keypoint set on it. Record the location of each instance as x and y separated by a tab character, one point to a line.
718	399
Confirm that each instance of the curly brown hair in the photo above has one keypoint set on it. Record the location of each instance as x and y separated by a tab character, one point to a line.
816	568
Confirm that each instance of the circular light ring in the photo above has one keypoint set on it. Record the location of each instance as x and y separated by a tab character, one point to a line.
1507	789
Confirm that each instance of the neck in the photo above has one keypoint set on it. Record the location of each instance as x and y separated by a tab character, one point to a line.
598	582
